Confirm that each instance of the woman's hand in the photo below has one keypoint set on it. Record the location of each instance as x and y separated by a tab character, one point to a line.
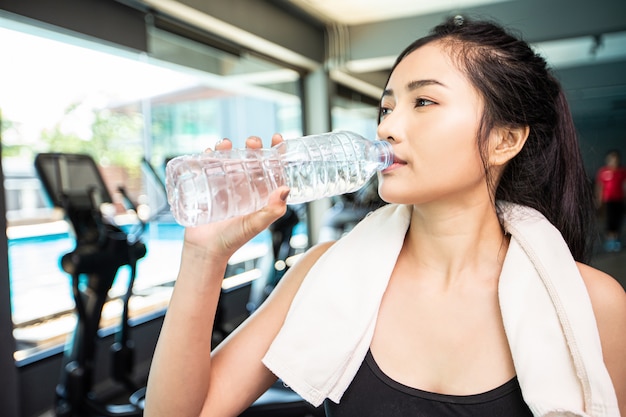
220	240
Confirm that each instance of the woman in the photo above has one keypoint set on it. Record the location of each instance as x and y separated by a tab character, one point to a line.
449	328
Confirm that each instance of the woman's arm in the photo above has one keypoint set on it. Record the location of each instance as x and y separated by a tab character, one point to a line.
238	377
181	366
186	379
609	305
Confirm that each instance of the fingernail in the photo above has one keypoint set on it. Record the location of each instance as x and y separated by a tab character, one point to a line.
284	195
256	140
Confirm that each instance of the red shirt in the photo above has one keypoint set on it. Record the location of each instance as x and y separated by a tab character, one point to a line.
612	182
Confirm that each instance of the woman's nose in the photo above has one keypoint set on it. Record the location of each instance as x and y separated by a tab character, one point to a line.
387	128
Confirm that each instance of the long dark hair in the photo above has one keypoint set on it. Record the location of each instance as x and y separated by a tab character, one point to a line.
519	90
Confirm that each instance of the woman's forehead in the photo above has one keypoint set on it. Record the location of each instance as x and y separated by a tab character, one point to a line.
429	62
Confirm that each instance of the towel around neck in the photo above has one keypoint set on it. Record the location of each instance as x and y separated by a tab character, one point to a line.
546	312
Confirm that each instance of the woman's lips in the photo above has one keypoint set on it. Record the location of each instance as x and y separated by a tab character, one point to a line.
397	163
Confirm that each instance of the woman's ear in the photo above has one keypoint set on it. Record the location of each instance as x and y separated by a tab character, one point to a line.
506	142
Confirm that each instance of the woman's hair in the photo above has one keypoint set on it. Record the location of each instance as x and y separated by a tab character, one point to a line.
519	90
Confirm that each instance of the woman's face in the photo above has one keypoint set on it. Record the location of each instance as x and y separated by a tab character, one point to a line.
431	114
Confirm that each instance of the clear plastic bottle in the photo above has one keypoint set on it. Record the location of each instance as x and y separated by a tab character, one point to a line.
214	186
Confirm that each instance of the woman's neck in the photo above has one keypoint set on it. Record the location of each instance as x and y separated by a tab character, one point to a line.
456	243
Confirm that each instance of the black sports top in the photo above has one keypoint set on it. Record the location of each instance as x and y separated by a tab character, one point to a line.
374	394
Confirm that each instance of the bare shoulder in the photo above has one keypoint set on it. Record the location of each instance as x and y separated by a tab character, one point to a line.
606	292
608	300
290	283
312	255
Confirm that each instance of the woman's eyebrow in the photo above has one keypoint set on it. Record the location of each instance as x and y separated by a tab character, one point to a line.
414	85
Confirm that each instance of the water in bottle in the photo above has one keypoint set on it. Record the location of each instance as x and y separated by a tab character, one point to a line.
218	185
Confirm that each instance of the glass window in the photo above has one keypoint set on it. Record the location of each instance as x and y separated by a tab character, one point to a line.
129	112
351	111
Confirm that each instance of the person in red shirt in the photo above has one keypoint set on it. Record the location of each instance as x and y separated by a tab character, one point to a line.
611	181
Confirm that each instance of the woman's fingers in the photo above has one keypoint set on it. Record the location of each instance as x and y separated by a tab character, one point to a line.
223	145
225	237
276	139
254	142
256	222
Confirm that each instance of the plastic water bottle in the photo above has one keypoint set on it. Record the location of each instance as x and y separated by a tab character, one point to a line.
218	185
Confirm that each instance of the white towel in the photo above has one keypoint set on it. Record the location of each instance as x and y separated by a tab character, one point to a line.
546	311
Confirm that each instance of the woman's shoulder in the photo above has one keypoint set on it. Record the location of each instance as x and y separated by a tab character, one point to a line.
310	257
608	300
601	284
606	292
290	283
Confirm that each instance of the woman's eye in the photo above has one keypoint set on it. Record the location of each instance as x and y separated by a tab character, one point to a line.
384	111
421	102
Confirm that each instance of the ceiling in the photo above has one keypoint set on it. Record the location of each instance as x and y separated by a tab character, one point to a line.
584	41
351	12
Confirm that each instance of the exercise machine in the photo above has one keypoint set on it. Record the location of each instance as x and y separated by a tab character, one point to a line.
73	183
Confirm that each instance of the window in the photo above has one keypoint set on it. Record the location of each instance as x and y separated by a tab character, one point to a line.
351	111
130	112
